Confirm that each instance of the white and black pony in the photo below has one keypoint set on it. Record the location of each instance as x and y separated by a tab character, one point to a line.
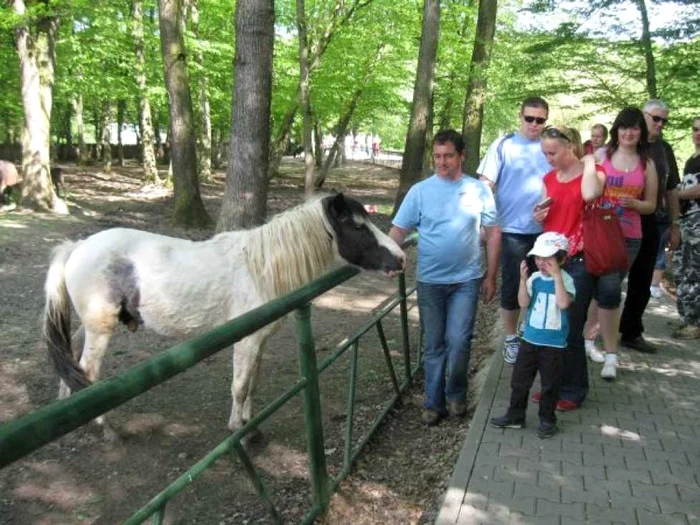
178	287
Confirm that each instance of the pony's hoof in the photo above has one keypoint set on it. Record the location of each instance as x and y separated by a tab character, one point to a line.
111	435
255	441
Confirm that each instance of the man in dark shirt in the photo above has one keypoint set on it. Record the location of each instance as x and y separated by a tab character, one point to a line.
667	210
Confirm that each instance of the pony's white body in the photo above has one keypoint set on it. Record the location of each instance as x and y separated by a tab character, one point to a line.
178	287
177	301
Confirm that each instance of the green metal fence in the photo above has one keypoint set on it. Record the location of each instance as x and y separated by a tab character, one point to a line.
22	436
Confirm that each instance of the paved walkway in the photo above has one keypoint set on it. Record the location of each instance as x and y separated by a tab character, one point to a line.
630	455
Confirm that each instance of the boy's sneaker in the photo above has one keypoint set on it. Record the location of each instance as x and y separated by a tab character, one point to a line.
510	349
593	353
547	429
507	422
656	292
609	370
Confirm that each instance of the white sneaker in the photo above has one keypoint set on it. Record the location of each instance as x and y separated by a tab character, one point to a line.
609	370
593	353
656	292
510	350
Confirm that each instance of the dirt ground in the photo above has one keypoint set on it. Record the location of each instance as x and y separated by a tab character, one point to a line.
80	478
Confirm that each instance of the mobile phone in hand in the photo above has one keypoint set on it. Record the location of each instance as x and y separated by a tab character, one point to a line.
544	204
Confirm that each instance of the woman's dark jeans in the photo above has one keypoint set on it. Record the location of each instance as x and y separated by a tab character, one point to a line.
574	380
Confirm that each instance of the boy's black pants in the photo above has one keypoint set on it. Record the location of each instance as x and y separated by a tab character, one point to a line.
531	359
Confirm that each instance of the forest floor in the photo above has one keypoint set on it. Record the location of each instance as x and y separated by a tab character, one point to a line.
83	479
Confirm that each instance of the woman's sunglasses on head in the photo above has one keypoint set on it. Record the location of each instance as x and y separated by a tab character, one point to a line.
555	133
530	119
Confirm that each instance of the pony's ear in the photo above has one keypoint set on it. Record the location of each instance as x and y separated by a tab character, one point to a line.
337	205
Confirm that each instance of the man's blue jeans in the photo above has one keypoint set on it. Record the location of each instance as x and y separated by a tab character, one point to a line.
447	313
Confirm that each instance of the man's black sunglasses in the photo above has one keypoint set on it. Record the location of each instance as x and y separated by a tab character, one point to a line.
658	119
555	133
530	119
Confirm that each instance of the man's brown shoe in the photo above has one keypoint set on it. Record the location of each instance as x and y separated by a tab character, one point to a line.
457	408
430	417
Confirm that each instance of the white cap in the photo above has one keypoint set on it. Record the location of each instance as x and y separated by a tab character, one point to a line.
548	244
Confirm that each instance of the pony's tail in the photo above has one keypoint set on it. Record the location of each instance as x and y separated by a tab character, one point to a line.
56	330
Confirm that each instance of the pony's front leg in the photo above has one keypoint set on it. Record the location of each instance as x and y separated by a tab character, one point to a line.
246	355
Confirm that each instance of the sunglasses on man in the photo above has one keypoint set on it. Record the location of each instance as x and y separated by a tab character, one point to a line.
658	119
530	119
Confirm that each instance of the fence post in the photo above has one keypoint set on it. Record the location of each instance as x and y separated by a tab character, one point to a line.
312	408
404	326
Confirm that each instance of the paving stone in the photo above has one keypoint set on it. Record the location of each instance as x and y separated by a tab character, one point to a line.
646	490
650	518
597	471
689	494
483	486
526	451
605	514
673	456
645	443
690	509
626	453
619	486
549	479
527	490
547	508
534	465
590	460
506	505
585	496
520	519
495	461
620	501
571	448
628	474
515	474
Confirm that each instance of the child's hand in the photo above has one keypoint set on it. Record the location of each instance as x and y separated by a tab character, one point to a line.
524	273
552	267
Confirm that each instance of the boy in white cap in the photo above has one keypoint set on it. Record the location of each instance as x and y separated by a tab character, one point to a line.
546	295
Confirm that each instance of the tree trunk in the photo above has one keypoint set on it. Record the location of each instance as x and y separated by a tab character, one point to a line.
473	117
204	107
107	110
309	166
318	143
121	111
279	145
245	200
81	154
414	149
189	209
648	50
148	155
37	62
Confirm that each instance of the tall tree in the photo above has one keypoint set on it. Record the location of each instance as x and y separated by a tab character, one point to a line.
203	105
647	47
35	43
189	209
148	154
473	119
304	89
245	199
415	145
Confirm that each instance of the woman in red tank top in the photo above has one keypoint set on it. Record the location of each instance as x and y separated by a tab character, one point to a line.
571	183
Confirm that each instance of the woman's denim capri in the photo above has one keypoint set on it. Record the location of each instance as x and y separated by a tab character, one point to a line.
608	291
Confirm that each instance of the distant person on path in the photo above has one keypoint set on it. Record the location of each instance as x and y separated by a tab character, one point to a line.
599	136
448	209
547	295
653	225
514	166
687	258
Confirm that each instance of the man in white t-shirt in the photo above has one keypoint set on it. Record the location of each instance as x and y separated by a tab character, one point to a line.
448	209
514	167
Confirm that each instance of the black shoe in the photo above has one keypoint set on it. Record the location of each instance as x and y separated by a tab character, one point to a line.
547	430
430	417
457	408
639	344
507	422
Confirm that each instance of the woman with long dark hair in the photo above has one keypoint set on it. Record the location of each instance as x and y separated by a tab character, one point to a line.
631	188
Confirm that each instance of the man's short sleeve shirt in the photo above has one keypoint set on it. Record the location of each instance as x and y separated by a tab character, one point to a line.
517	166
448	216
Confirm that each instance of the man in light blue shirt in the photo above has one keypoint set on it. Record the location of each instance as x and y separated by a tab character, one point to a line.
514	166
448	209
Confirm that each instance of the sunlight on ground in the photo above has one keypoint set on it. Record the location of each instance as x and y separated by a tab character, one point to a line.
13	392
56	487
610	431
282	461
9	223
150	192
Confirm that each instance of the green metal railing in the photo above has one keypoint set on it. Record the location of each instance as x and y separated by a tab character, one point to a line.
22	436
